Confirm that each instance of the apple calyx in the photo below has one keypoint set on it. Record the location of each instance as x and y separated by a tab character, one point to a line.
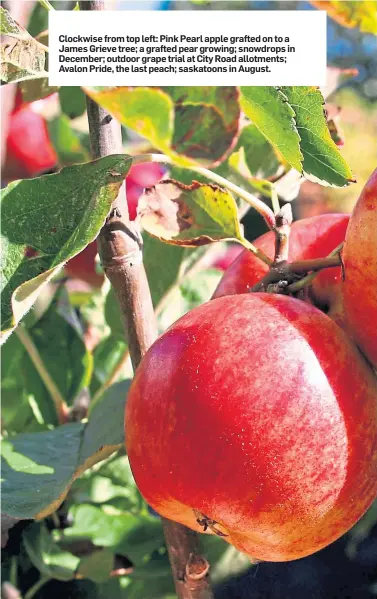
208	524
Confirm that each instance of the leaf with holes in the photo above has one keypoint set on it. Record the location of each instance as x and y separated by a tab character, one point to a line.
323	161
38	469
269	110
48	220
189	215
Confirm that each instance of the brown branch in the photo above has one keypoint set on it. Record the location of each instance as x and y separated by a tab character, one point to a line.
282	233
120	248
287	274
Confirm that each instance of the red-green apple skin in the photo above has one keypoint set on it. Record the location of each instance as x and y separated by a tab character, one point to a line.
313	237
257	412
360	266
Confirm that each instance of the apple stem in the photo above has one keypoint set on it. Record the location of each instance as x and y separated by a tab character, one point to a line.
120	248
335	256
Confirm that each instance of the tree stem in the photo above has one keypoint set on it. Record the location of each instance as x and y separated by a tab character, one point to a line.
120	249
34	355
282	234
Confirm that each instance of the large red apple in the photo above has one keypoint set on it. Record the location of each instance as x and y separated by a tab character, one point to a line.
255	417
313	237
360	265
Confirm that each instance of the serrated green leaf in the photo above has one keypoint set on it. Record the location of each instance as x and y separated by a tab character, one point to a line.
38	469
322	158
189	215
46	555
55	216
189	124
351	13
268	109
66	142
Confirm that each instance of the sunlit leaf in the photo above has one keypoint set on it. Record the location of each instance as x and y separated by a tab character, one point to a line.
189	215
46	221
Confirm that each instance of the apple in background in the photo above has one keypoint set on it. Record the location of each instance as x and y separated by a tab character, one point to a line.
359	288
254	417
83	265
29	152
224	260
313	237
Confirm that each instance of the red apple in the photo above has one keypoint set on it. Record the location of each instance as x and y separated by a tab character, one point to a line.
313	237
254	417
29	151
360	265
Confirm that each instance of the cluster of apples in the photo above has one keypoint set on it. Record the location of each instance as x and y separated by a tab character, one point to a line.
254	416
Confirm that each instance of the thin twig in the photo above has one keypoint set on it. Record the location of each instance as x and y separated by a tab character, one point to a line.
335	255
287	273
264	210
120	249
282	234
32	350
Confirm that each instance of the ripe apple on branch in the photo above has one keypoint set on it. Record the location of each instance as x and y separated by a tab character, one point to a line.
254	416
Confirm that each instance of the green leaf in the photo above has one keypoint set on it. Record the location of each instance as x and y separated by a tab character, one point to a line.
148	111
259	154
268	109
36	89
189	124
189	215
55	216
58	333
206	121
96	566
72	101
155	254
66	142
351	13
133	536
194	291
107	355
322	159
39	468
16	412
46	555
